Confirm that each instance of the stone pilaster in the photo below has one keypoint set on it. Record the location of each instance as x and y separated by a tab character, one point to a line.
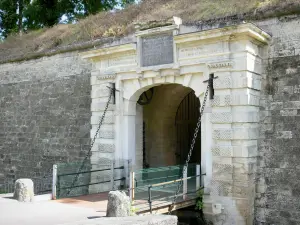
103	150
235	118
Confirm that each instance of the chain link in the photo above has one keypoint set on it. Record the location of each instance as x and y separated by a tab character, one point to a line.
93	140
191	148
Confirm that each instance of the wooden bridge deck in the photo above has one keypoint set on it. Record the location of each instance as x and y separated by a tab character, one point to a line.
95	201
99	203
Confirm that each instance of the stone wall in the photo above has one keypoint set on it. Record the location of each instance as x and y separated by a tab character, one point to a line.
44	114
277	189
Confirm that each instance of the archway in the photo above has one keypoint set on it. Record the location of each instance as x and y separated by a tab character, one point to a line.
129	123
229	124
165	125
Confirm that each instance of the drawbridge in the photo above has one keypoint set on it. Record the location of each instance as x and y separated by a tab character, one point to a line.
151	191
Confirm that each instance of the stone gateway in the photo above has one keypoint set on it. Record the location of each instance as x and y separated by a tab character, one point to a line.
230	124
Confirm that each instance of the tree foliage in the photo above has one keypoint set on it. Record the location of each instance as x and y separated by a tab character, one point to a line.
19	15
8	16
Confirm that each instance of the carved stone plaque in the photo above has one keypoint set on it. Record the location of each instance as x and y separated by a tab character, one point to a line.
157	50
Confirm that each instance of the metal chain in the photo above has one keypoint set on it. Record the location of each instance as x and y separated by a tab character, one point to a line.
93	140
191	148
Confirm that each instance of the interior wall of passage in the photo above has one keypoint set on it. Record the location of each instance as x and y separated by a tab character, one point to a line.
160	129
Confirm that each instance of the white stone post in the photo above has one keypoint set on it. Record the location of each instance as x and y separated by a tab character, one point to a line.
126	172
112	177
128	131
198	178
185	187
131	186
54	181
206	144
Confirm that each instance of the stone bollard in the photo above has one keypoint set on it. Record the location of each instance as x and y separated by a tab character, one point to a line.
24	191
118	204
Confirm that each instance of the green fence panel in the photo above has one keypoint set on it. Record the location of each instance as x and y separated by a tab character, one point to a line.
160	194
89	181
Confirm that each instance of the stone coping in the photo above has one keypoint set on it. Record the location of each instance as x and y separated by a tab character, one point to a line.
131	220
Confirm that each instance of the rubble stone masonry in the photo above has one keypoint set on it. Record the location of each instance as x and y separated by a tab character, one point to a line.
44	114
278	185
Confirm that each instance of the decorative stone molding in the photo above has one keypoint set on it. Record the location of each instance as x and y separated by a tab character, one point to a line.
159	71
223	82
106	134
221	100
221	188
219	150
110	76
222	134
222	171
218	65
201	50
246	30
106	147
222	117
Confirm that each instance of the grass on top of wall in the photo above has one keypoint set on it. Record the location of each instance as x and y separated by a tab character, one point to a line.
121	23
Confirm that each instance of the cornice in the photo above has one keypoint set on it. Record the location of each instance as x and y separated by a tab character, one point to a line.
247	29
104	52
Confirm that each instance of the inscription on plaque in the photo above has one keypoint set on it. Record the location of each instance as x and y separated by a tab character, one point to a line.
123	60
157	50
200	50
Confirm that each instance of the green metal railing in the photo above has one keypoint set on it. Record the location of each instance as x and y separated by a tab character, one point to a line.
155	187
90	181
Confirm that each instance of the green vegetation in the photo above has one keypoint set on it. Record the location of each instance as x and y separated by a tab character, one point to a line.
23	15
107	25
199	200
133	209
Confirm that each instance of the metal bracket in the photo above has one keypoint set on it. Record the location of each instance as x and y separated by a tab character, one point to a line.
144	99
113	87
211	85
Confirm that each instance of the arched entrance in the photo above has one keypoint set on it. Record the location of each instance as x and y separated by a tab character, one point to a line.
166	116
169	92
229	126
186	120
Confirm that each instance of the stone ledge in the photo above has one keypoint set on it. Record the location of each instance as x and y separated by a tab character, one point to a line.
132	220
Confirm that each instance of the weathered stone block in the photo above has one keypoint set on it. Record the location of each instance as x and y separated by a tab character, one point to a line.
24	191
49	99
118	204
